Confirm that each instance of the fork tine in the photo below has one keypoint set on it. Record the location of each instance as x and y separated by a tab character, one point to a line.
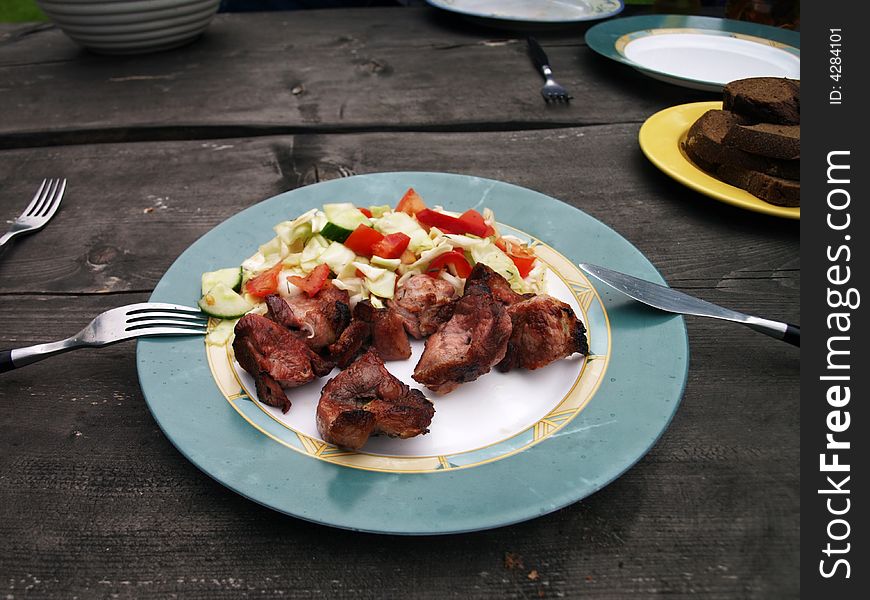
178	318
156	331
45	199
36	198
151	324
147	328
53	203
151	315
161	306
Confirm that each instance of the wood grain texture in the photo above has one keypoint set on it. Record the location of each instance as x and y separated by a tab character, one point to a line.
308	71
133	208
95	502
87	478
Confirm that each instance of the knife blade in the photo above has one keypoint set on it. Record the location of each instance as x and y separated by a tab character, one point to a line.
674	301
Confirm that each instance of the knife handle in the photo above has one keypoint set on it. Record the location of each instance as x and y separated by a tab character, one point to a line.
6	363
539	57
782	331
792	335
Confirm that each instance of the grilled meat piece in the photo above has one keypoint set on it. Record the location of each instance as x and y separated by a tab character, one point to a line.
388	330
483	277
349	343
323	317
424	303
468	345
276	358
270	391
365	399
544	330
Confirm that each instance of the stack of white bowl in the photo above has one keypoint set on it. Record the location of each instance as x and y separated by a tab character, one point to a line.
130	26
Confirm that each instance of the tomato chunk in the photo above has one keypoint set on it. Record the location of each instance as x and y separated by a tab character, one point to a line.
313	282
524	265
522	256
366	212
475	224
265	283
411	203
392	246
362	239
451	224
454	258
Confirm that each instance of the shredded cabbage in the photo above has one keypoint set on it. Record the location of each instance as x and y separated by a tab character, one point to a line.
301	248
428	256
310	258
379	282
296	232
488	253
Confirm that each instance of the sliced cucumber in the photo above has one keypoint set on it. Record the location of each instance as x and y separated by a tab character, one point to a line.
232	278
342	219
222	302
334	233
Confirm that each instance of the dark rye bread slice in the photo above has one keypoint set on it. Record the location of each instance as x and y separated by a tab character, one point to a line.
766	139
705	146
782	192
764	99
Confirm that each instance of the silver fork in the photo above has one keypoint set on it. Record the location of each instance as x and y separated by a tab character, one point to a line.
115	325
40	210
552	91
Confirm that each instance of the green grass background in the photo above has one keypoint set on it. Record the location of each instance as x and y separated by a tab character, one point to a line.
16	11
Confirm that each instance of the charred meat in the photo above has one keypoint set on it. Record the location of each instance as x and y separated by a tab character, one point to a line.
322	317
483	277
388	330
424	303
349	344
364	400
276	358
468	345
544	330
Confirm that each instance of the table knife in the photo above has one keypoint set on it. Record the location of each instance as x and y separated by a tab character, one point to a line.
669	300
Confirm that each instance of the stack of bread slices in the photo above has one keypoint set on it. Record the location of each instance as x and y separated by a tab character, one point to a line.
754	142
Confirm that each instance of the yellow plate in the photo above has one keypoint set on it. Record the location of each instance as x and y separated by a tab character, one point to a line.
661	139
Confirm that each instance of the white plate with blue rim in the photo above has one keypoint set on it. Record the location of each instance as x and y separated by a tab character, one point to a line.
703	53
503	449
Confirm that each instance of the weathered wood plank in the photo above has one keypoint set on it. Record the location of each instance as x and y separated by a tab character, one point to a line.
94	501
132	208
286	72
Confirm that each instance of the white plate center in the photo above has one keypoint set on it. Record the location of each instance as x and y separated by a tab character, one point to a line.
714	58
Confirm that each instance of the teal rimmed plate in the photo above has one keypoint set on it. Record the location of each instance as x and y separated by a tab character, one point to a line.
701	53
502	449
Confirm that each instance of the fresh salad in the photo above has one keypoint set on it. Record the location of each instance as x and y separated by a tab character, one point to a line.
370	252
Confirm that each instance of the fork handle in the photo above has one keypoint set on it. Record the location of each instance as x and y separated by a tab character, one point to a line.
539	57
6	237
19	357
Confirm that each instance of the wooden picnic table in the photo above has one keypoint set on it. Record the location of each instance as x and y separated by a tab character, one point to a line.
160	148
